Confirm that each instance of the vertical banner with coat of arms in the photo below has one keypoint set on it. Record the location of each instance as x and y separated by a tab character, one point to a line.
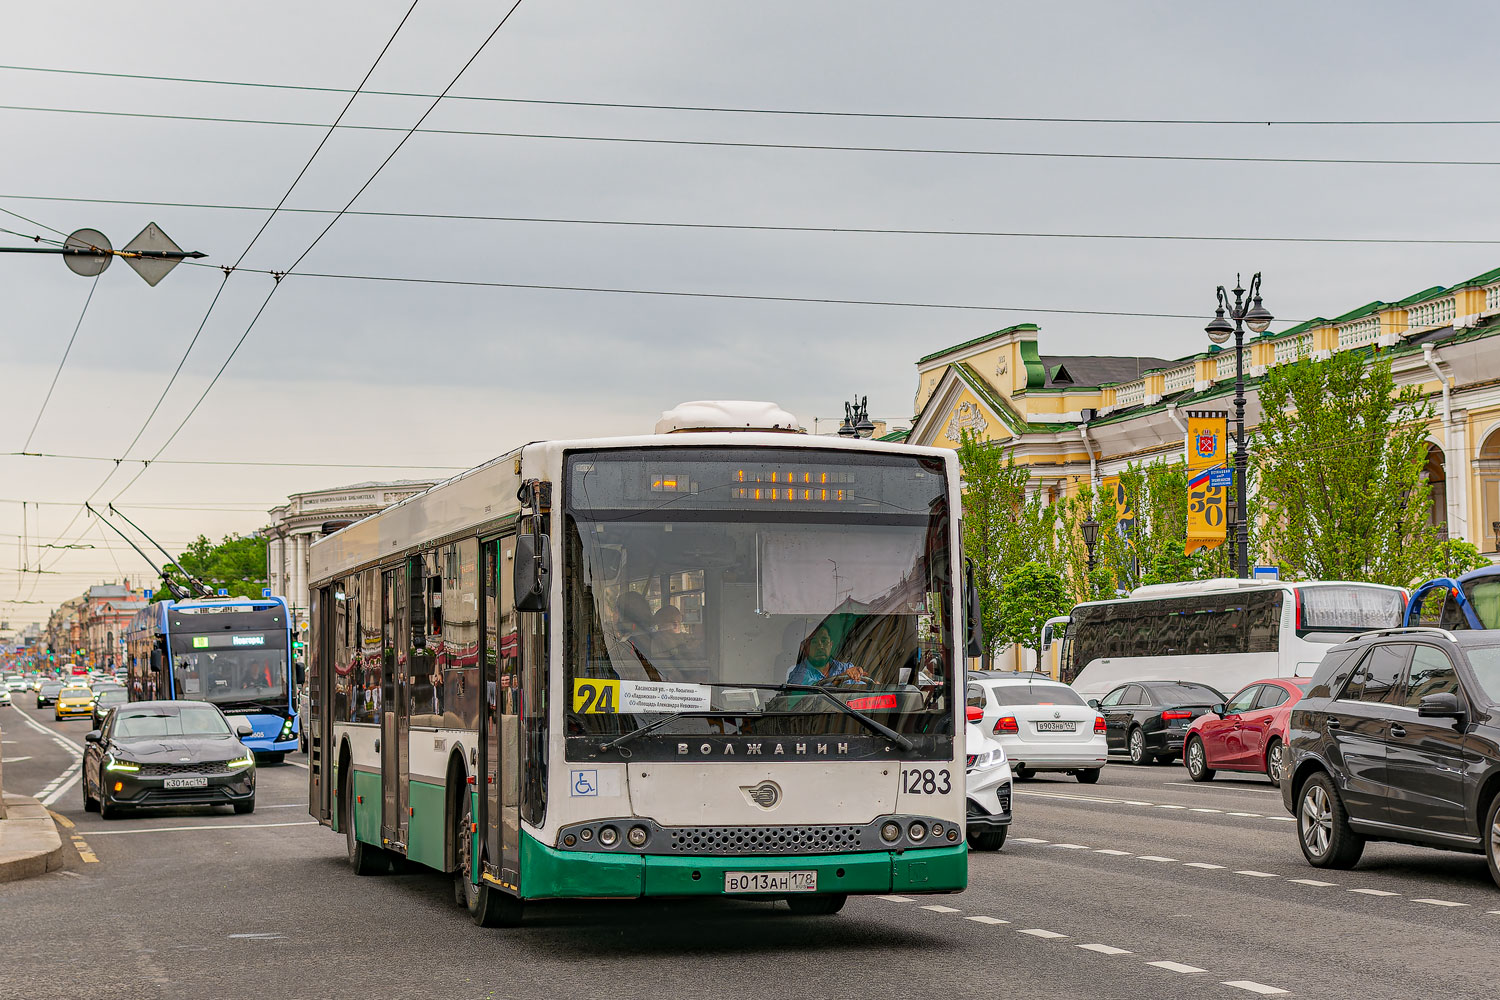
1207	451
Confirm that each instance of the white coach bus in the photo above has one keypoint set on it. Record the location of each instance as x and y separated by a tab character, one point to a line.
1224	633
725	662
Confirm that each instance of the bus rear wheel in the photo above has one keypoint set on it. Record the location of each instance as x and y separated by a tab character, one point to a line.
817	906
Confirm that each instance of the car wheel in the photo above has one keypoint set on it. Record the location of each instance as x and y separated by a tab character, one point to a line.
987	840
1275	761
1197	761
107	809
1137	747
90	804
364	858
1323	826
1492	838
1024	774
1088	776
247	806
817	906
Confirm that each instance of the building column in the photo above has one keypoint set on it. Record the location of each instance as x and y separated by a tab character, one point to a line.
276	564
299	571
1459	469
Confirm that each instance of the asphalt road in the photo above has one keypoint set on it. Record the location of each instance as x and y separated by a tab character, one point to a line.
1141	885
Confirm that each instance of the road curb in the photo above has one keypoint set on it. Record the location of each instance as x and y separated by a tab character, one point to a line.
29	841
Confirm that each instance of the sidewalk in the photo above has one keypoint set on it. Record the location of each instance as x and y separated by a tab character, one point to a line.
29	843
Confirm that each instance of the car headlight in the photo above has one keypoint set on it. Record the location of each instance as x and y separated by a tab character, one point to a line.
246	761
112	763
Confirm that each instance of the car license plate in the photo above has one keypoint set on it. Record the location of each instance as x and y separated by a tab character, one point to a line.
1056	727
770	881
185	783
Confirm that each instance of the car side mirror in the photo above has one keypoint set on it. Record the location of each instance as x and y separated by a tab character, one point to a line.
93	736
244	729
1218	709
533	572
1443	705
1093	703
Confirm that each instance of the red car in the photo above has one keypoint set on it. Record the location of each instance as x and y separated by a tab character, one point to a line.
1248	733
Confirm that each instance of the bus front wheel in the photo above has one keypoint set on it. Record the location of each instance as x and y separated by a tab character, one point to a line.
488	906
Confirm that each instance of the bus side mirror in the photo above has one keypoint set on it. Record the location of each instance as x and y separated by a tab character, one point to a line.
301	673
156	659
533	572
975	625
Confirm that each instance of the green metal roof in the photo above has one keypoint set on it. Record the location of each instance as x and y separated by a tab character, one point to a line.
976	341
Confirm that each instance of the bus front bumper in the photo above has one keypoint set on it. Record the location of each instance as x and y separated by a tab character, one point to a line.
547	873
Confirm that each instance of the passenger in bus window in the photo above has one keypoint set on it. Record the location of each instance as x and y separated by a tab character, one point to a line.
815	662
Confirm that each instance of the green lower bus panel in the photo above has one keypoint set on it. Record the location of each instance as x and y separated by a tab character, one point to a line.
367	806
551	874
427	824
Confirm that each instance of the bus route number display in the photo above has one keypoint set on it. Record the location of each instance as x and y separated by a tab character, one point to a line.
607	696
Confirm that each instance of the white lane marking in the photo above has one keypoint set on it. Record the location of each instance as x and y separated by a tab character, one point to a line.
1104	949
1281	819
1214	788
1204	865
62	789
1245	815
1374	892
1071	847
1115	854
987	920
296	763
1153	857
1312	882
15	760
51	791
1253	987
1135	802
205	828
1077	798
69	874
259	937
284	805
1256	874
897	899
1492	912
1168	805
1038	932
1439	902
1200	809
1176	967
942	909
1030	840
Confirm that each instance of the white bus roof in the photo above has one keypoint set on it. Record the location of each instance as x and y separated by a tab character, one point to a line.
1221	584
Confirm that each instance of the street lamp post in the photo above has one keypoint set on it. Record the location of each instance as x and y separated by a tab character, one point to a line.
1246	311
857	419
1090	529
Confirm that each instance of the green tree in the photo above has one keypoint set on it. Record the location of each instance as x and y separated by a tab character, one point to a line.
1031	594
1338	461
236	564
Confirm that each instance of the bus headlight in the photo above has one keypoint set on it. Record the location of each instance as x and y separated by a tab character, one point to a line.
890	832
609	836
637	836
917	831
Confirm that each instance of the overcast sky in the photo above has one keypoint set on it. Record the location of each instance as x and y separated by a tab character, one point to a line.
348	372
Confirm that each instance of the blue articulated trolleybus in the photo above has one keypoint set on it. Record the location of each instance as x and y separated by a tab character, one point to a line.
234	652
1470	601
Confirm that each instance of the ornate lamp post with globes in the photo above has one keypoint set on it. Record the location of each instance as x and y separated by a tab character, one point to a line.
857	421
1246	311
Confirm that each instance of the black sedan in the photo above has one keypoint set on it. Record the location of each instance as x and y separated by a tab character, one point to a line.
1148	719
47	692
104	700
167	753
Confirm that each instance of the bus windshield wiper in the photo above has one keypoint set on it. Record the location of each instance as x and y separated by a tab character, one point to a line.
864	719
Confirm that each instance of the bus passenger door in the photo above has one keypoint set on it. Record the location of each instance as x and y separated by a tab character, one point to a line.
319	724
393	717
500	734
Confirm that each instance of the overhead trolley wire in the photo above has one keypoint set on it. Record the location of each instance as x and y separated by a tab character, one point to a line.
66	351
815	147
765	228
799	112
277	277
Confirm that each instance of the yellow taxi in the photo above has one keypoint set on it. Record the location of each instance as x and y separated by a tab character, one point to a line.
74	702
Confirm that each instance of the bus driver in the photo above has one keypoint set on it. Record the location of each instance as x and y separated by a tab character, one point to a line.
816	664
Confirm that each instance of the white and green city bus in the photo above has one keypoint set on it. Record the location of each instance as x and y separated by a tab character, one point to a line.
722	659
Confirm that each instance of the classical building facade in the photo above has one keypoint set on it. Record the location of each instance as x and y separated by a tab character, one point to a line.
1080	418
307	516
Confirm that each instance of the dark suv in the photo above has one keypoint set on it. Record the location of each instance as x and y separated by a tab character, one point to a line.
1398	739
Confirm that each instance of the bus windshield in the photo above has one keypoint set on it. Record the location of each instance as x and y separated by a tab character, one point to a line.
209	668
689	577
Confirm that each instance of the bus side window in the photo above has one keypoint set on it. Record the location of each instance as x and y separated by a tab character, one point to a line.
1450	613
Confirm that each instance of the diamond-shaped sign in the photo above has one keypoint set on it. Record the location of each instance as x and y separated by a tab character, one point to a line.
152	240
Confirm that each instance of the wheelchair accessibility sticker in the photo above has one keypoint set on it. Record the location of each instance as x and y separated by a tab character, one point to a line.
585	783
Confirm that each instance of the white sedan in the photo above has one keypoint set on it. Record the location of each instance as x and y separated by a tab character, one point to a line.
4	696
1042	724
987	786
